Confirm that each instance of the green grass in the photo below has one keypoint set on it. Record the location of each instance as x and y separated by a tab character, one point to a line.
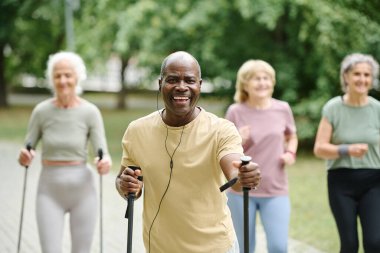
115	123
13	123
311	219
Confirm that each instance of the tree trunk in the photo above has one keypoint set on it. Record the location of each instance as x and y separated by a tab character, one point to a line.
122	95
3	86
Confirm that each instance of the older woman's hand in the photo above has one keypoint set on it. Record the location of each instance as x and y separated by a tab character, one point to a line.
357	150
25	157
103	165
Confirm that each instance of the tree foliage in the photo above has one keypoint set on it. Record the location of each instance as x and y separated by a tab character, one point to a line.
304	40
30	31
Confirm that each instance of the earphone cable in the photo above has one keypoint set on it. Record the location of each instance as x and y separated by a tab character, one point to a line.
170	177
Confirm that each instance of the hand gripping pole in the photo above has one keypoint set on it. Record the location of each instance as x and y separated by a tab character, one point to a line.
129	213
244	160
29	148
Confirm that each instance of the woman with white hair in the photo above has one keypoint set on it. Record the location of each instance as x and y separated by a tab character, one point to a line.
348	138
65	124
268	133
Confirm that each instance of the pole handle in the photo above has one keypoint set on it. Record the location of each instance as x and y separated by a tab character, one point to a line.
29	148
136	168
244	160
131	196
100	154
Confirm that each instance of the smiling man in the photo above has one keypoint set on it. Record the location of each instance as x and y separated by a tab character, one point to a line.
180	83
185	154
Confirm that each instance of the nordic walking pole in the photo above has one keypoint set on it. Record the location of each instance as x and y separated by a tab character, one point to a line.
244	160
100	155
129	213
28	147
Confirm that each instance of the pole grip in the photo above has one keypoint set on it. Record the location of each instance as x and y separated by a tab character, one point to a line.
29	148
100	154
244	160
131	196
136	168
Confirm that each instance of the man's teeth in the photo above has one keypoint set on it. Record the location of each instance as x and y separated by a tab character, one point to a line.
180	98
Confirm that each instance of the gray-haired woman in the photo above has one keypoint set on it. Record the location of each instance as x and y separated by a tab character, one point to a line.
348	138
65	124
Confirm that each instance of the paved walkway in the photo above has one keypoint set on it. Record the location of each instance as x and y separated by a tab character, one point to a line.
115	227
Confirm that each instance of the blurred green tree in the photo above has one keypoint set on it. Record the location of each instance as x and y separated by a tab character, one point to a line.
304	40
30	31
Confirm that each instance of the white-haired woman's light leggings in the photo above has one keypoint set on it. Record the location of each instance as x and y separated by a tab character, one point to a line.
61	190
275	217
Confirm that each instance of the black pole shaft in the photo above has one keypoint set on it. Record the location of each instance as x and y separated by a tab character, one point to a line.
129	212
22	210
100	155
28	147
131	198
246	220
245	160
101	212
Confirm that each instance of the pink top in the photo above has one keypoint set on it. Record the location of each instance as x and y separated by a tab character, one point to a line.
268	130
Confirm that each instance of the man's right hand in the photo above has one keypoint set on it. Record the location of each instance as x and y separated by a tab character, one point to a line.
128	182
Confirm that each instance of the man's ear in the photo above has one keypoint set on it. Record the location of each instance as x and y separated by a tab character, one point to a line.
159	85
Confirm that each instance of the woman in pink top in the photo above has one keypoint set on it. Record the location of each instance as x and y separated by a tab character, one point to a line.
268	131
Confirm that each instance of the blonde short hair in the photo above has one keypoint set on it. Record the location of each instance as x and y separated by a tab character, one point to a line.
249	69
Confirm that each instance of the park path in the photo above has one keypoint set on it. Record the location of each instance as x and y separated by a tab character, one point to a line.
115	226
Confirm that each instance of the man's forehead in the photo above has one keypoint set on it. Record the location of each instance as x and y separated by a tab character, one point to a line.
181	62
181	68
189	73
